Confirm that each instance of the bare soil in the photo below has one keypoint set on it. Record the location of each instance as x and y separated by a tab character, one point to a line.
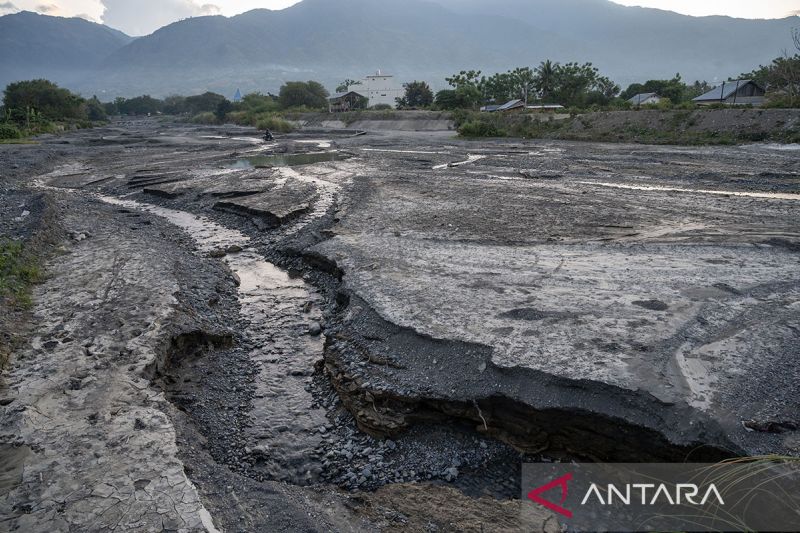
378	342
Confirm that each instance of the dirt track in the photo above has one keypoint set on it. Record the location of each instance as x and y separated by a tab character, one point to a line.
467	300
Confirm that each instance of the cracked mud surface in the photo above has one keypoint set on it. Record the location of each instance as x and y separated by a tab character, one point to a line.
377	341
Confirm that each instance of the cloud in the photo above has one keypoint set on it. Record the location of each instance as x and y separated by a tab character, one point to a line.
7	8
86	16
47	9
146	16
210	9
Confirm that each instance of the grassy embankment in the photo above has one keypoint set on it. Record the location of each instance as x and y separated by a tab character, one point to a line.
680	127
19	270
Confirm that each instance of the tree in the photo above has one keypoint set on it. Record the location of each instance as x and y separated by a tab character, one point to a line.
697	88
465	77
175	105
498	88
447	100
467	87
95	110
346	84
573	82
502	87
418	94
546	80
523	82
45	98
141	105
781	78
674	89
223	108
207	102
607	87
299	94
259	103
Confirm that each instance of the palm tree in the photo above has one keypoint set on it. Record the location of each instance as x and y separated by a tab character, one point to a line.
546	79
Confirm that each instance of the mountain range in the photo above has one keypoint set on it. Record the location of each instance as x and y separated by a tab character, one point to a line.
330	40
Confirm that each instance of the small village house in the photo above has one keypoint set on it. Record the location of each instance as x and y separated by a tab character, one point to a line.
510	106
644	99
736	92
343	102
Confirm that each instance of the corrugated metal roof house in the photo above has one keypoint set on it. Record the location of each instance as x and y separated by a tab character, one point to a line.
513	105
645	99
341	102
736	92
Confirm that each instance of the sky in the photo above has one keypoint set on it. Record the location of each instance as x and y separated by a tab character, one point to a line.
141	17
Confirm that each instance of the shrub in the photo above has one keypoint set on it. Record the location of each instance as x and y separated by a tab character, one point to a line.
18	270
664	104
782	102
382	107
9	131
274	123
205	118
311	94
480	128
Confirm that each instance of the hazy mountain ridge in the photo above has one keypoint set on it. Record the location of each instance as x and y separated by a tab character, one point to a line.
331	40
28	38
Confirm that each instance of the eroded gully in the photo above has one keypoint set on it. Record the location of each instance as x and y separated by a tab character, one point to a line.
282	314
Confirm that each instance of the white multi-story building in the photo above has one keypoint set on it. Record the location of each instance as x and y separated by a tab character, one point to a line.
381	89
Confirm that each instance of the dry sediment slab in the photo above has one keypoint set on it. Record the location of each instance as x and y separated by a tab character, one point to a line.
676	312
98	448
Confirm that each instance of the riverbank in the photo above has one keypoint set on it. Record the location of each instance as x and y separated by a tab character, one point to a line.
646	126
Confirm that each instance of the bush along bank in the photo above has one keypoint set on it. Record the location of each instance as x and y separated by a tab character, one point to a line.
652	126
40	106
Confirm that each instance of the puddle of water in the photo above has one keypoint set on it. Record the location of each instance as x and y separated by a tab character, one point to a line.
253	140
697	377
284	425
773	195
287	160
321	143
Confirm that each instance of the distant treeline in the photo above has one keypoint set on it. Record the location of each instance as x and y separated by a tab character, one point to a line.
40	106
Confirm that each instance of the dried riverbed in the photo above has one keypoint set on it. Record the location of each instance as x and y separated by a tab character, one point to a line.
349	313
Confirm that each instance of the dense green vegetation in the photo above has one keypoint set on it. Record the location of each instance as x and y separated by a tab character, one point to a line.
418	95
40	106
568	84
654	126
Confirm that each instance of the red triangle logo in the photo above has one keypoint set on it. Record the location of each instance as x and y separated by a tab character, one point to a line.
535	495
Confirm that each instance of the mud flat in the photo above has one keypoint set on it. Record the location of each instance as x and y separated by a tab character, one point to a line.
426	310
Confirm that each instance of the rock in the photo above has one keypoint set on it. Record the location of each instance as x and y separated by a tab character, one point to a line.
451	474
217	254
315	329
233	249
